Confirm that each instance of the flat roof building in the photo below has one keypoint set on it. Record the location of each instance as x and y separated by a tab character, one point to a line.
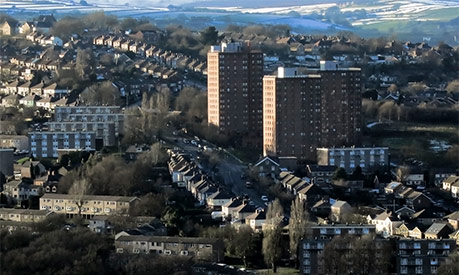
235	89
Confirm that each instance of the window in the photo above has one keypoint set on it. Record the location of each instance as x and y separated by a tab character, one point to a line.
403	270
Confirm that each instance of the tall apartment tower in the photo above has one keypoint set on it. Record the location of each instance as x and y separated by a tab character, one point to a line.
291	113
304	111
342	103
235	91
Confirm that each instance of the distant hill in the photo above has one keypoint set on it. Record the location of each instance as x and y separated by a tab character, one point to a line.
261	3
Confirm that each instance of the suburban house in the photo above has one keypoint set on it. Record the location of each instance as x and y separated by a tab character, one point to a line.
256	220
385	223
29	101
321	175
218	199
438	231
417	200
18	191
54	90
410	230
267	166
231	206
453	219
411	177
340	208
7	28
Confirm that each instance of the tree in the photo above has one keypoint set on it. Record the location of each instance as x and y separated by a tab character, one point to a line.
85	63
104	93
149	205
453	87
450	266
244	241
297	226
340	173
79	190
271	247
272	238
389	110
209	36
359	256
392	88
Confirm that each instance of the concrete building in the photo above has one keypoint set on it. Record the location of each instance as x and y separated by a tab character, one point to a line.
310	109
105	131
6	161
202	249
351	157
291	114
421	256
46	144
106	114
235	89
341	100
312	247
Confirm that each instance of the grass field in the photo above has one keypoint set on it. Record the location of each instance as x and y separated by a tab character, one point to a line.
412	140
440	14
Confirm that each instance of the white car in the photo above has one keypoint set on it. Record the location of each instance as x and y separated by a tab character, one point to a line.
264	198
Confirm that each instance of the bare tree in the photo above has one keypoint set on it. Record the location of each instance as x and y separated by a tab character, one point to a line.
299	219
272	235
79	190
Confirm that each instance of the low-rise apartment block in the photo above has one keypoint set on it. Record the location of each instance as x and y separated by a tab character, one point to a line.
47	144
105	131
199	248
91	206
23	215
351	157
91	114
415	256
312	256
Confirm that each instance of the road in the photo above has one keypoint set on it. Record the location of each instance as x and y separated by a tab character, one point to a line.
229	169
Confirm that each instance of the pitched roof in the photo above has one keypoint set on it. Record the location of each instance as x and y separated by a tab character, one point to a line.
339	203
436	228
89	197
451	179
321	168
453	216
258	215
220	195
267	158
165	239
